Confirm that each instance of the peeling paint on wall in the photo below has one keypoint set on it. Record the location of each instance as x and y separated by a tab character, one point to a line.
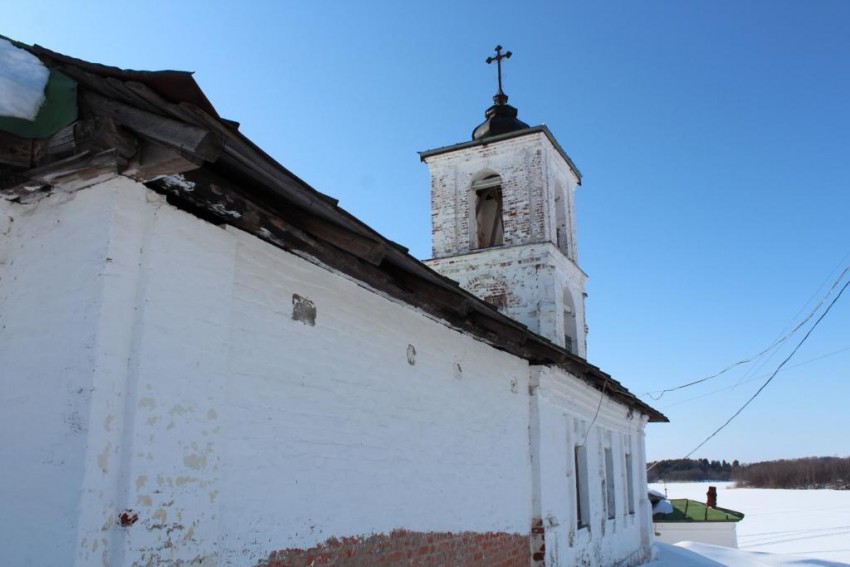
303	310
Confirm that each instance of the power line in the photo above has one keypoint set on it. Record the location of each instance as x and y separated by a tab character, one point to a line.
775	372
747	376
711	393
775	344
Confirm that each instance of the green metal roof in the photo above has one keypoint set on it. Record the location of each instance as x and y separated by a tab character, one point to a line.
685	510
59	110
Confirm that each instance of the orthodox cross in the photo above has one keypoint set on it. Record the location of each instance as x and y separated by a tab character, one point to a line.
498	59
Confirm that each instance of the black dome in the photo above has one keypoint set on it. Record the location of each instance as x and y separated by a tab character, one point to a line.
500	118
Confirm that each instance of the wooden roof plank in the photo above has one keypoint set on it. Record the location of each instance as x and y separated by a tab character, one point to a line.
196	141
130	97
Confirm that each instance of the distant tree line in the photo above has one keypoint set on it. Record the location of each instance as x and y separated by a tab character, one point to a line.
809	472
690	470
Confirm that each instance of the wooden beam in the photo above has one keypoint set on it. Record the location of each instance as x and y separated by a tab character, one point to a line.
100	134
243	154
200	143
154	160
72	173
366	249
15	151
210	201
226	195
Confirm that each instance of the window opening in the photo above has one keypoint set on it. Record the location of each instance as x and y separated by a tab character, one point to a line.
488	212
570	333
498	300
582	503
630	483
609	478
561	236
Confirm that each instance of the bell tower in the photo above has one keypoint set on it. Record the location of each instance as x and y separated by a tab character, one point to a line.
502	222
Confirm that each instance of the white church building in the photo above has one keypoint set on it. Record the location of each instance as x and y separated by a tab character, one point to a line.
204	361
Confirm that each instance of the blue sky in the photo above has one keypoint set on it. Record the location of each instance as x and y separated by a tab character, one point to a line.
713	137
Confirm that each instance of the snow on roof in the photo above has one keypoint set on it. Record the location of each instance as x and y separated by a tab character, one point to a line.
653	492
22	81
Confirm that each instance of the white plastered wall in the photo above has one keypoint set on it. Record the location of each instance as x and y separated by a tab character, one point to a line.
563	410
713	533
54	264
152	366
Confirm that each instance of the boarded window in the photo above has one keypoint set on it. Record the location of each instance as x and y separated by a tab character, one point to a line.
609	479
630	483
582	496
490	230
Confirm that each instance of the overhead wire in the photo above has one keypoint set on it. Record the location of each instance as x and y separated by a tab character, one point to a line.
775	372
770	378
759	365
776	343
753	379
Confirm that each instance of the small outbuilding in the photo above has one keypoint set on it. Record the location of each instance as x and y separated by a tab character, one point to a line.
682	519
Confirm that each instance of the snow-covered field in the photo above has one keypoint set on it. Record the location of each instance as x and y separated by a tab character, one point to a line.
803	527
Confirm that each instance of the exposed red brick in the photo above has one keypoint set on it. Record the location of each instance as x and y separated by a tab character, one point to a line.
411	549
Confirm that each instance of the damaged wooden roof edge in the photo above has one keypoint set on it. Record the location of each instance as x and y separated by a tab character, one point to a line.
175	86
287	202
